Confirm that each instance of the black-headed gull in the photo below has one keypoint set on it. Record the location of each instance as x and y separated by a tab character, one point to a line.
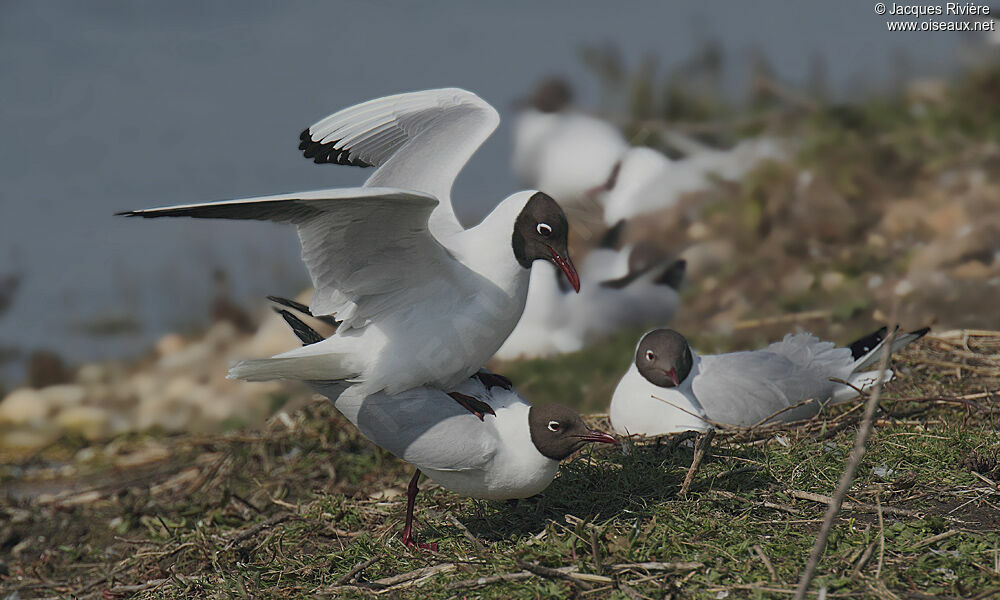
420	300
630	287
563	151
645	180
670	388
515	455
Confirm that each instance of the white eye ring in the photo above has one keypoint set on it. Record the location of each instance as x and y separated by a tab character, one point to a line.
649	355
543	229
554	426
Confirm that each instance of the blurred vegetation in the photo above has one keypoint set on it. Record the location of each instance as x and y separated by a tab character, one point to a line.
826	229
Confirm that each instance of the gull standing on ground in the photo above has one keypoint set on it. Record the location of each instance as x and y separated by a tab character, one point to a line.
669	388
515	455
420	300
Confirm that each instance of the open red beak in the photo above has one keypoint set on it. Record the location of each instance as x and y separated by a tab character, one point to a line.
594	435
672	374
567	268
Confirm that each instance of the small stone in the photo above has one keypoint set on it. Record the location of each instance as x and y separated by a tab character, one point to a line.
698	231
947	220
92	422
902	217
92	374
169	344
28	439
831	280
220	335
707	256
150	454
85	454
63	396
876	240
972	269
903	288
797	282
23	406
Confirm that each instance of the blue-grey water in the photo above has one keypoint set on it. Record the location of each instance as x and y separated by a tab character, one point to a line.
109	106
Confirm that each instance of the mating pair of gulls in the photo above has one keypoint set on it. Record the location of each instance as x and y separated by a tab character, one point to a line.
420	304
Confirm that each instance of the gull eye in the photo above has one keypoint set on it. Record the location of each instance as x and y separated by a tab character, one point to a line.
554	426
543	229
650	356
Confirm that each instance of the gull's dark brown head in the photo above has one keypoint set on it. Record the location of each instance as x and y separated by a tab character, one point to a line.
541	232
551	95
663	358
558	431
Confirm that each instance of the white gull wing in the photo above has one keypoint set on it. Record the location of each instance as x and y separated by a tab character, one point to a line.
745	388
368	250
419	141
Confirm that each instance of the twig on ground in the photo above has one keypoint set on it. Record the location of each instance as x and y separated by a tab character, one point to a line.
700	450
782	411
578	579
361	566
658	566
468	534
595	551
865	556
782	507
881	537
412	577
488	580
937	538
767	562
854	461
803	495
252	531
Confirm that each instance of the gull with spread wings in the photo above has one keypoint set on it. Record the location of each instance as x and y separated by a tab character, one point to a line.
420	300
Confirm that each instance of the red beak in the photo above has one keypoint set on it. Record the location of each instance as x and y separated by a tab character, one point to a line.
567	268
594	435
672	374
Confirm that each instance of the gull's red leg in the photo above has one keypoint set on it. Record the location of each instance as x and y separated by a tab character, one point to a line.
411	500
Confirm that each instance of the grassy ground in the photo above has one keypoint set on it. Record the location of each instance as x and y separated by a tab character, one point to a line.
306	508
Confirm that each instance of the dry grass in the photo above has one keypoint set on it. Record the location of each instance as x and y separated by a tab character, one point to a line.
306	508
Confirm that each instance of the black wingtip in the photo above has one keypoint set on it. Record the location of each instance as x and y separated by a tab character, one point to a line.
673	276
129	213
306	334
919	333
613	236
862	346
326	153
302	308
290	304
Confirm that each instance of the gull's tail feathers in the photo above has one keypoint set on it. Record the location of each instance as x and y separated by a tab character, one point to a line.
868	350
316	367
